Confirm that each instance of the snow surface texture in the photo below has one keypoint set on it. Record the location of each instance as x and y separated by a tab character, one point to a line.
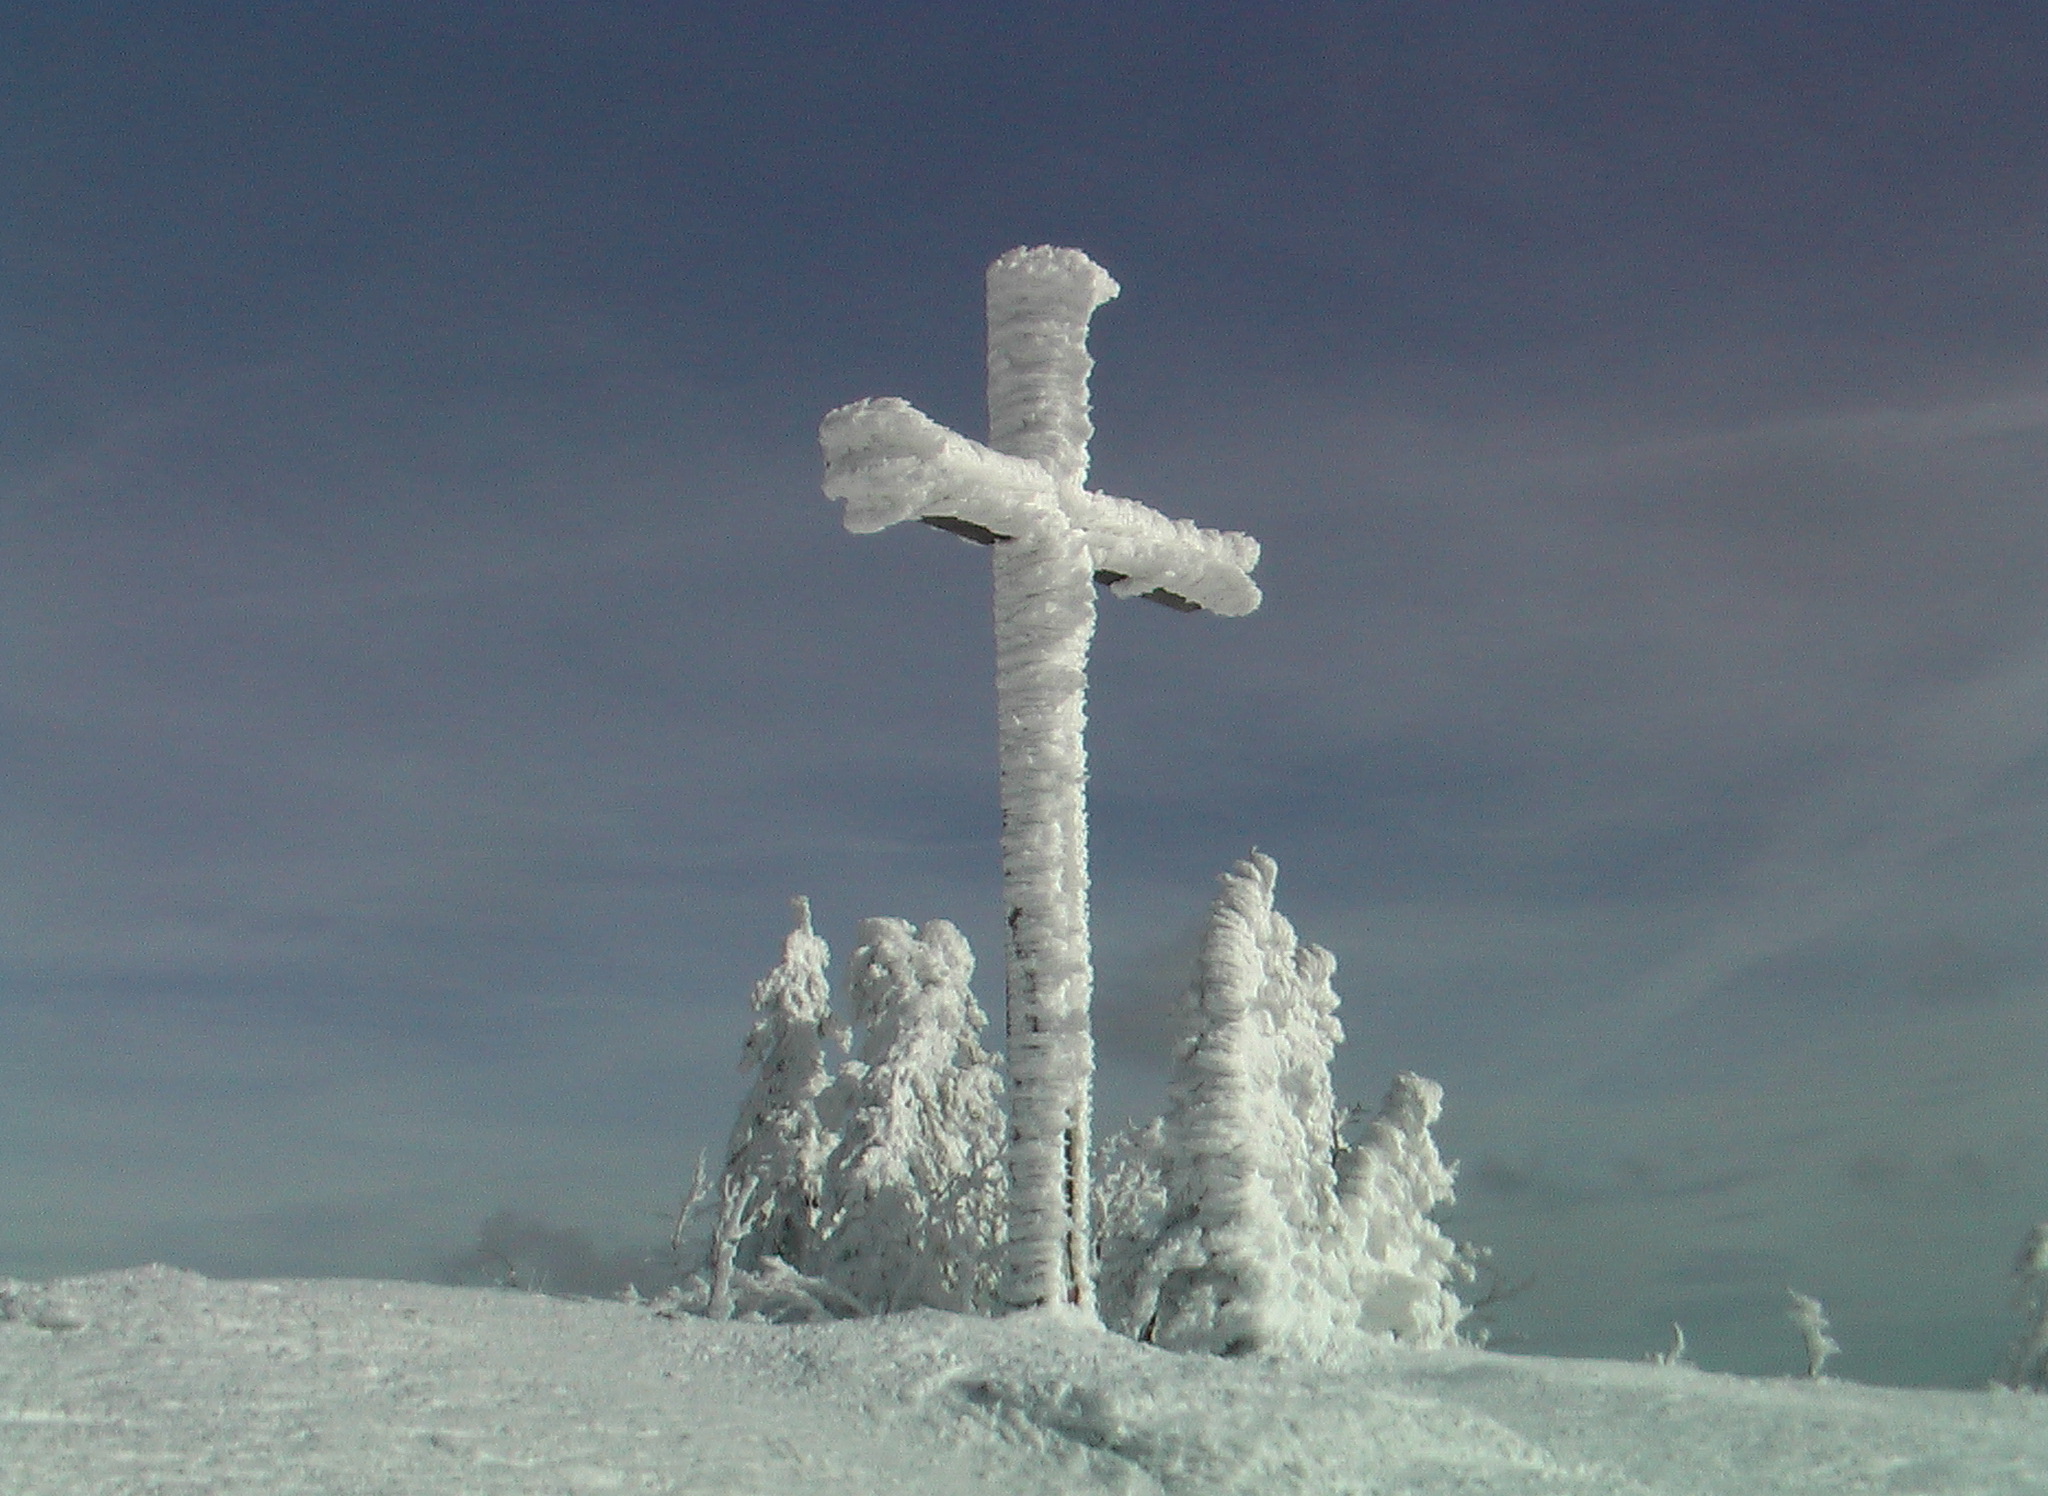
168	1382
1276	1235
1052	541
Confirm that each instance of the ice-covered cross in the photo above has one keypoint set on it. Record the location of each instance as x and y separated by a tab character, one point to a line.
1052	541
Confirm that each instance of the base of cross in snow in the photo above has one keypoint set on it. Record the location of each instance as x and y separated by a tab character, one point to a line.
1243	1220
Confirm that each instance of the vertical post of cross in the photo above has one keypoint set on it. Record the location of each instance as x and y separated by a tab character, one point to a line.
1052	541
1039	305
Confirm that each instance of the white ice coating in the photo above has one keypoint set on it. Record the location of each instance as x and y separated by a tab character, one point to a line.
1045	616
890	462
1052	540
1039	303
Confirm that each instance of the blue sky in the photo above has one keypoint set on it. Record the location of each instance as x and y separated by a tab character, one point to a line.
431	665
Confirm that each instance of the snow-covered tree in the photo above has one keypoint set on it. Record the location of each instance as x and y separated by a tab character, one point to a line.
1808	1314
913	1207
1673	1354
1242	1221
1398	1263
1249	1139
1129	1181
771	1191
2026	1363
1277	1235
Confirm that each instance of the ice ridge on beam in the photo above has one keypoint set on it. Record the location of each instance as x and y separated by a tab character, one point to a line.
889	462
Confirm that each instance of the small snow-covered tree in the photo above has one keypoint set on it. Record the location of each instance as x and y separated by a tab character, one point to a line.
1129	1181
913	1208
1249	1137
1276	1235
771	1191
1398	1263
2026	1363
1674	1353
1812	1319
1242	1221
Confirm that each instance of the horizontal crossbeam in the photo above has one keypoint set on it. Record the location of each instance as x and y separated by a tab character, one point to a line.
980	535
890	462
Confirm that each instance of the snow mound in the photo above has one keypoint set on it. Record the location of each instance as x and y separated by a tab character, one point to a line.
173	1382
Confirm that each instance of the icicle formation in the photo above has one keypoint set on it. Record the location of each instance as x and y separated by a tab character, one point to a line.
772	1187
1275	1235
2026	1363
913	1210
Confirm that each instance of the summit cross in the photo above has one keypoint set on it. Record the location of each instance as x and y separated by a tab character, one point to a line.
1052	540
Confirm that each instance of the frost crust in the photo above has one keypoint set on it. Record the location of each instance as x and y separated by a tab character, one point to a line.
890	462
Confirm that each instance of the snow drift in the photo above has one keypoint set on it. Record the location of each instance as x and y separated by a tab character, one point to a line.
153	1380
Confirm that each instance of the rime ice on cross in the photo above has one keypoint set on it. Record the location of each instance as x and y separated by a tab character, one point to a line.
1052	540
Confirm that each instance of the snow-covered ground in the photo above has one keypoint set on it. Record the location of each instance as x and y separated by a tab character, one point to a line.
159	1380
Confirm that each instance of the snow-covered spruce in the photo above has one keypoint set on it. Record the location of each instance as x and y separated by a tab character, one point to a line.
1250	1141
913	1207
771	1191
1811	1318
2026	1363
1276	1236
1128	1213
1399	1263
